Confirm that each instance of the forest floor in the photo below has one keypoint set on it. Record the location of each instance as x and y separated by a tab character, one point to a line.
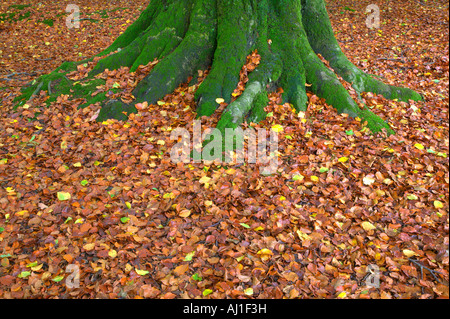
106	199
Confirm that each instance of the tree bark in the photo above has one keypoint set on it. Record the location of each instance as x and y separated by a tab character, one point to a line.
190	35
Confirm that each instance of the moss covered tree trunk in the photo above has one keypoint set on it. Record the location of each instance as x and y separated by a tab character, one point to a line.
191	35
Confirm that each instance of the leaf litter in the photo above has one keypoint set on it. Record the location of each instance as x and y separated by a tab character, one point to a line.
107	198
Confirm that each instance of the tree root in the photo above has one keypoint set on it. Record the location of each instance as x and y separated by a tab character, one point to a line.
195	52
322	40
35	92
155	42
236	37
142	23
191	35
287	40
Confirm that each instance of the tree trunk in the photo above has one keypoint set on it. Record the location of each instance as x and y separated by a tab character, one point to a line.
190	35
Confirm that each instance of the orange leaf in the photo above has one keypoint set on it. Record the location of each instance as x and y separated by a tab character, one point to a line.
181	269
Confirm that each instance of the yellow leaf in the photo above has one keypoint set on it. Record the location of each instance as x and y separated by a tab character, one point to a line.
438	204
230	171
367	226
220	101
265	251
368	180
204	180
303	236
185	213
409	253
141	272
112	253
277	128
343	159
63	196
22	212
89	247
77	164
36	268
419	146
248	291
342	295
314	178
169	195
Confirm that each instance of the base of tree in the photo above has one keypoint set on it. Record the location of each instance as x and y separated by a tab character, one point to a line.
190	35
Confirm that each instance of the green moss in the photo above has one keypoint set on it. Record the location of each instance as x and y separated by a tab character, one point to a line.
286	39
14	16
48	22
114	109
56	84
157	47
19	6
257	113
322	40
141	24
374	122
236	39
154	41
194	53
67	66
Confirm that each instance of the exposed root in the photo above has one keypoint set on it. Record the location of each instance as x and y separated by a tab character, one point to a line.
236	37
326	85
190	35
286	39
194	53
155	42
35	92
142	23
269	70
322	40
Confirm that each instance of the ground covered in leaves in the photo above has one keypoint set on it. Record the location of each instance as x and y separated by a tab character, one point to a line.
106	197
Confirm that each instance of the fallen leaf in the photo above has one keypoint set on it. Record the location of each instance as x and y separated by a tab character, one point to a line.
367	226
368	180
62	196
409	253
438	204
141	272
181	269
